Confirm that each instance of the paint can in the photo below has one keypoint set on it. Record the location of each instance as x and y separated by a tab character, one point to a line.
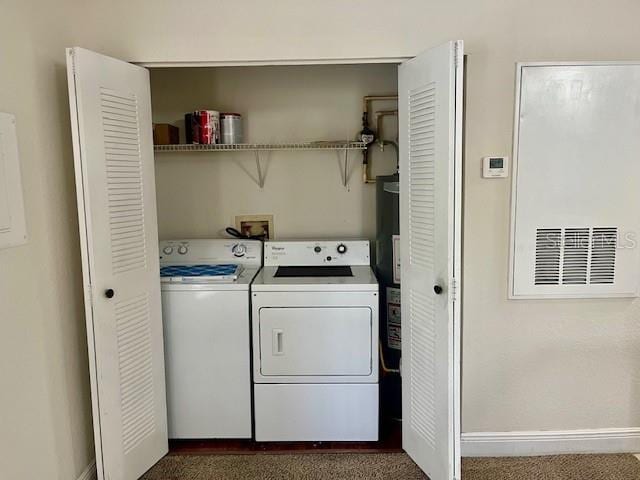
231	124
205	127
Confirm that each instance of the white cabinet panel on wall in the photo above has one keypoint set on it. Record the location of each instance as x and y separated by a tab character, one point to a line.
576	181
13	230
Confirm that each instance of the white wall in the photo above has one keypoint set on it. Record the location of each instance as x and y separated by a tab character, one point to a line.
527	365
200	194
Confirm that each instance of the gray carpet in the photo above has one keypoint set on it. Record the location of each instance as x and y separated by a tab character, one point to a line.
388	466
560	467
315	466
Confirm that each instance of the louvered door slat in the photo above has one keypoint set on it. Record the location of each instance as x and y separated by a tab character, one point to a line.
125	206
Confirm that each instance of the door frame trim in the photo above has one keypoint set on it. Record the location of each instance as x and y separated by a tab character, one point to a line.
272	62
83	220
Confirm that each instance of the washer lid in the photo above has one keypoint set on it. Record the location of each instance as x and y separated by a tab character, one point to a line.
200	273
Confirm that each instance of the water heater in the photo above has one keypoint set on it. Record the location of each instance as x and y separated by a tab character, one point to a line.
388	273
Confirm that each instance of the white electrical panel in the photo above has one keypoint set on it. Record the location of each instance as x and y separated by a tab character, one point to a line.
12	221
576	181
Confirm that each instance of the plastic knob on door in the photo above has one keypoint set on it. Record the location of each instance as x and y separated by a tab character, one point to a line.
437	289
109	293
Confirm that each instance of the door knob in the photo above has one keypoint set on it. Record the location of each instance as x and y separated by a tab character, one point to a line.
437	289
109	293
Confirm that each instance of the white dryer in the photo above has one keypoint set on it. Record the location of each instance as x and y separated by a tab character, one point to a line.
205	312
315	343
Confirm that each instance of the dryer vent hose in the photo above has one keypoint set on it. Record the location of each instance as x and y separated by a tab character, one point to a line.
238	234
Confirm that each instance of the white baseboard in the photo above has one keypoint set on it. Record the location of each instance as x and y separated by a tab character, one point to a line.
89	473
508	444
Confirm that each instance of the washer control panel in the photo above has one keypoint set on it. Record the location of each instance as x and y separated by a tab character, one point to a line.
246	252
323	252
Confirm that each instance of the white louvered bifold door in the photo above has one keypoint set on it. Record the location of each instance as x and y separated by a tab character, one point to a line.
113	149
430	121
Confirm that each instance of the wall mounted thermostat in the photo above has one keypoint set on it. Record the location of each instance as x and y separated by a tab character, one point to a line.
495	167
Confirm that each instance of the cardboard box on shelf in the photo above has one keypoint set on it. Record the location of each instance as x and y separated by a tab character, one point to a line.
165	134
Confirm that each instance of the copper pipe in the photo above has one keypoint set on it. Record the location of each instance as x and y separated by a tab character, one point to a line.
365	166
365	109
370	98
379	115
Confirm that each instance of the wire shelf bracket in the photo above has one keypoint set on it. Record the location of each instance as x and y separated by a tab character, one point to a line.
259	170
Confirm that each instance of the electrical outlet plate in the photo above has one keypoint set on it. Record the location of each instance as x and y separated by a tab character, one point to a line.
256	225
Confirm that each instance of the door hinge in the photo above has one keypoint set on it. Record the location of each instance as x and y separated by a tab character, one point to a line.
453	290
73	61
457	55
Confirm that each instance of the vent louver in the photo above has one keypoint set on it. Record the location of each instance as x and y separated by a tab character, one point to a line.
575	256
548	242
603	255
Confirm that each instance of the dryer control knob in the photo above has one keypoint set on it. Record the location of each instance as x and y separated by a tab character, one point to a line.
239	249
182	249
317	249
342	249
167	250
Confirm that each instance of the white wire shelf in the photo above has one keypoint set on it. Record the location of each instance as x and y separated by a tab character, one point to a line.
342	148
259	147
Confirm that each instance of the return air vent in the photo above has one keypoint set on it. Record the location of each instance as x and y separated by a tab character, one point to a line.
575	256
603	255
548	241
575	261
576	175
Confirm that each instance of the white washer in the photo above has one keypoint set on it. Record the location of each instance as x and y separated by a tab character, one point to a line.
205	310
315	343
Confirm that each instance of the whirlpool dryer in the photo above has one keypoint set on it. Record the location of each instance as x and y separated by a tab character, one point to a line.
315	343
205	312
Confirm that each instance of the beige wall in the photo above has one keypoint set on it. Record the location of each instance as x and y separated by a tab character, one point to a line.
527	365
199	195
45	414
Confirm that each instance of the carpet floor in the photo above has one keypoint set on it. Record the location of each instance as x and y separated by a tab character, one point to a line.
388	466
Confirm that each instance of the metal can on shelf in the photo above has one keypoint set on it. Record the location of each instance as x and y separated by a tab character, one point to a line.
231	124
205	127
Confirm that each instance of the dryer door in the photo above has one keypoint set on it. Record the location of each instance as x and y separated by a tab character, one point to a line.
315	341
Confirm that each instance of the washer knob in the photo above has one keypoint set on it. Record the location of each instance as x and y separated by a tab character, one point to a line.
239	249
182	249
317	249
342	249
167	250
